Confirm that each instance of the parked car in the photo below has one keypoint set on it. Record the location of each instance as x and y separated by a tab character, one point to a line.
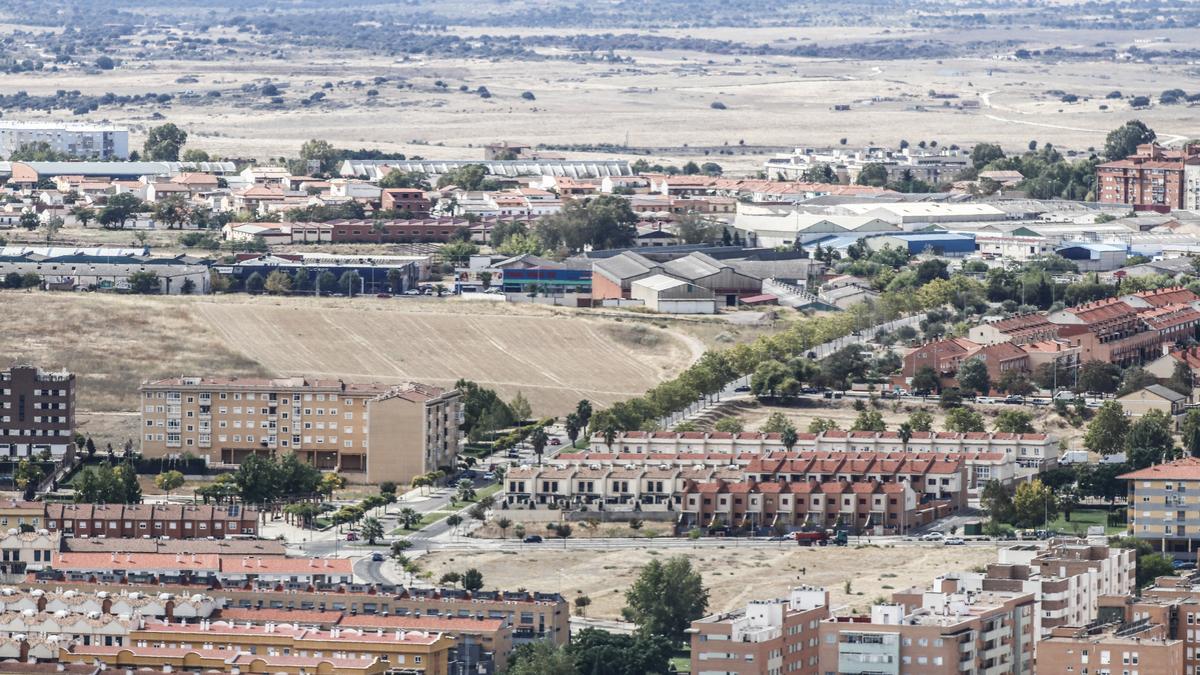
555	441
984	399
412	291
351	536
489	476
376	557
1183	565
383	295
953	541
1014	400
743	388
533	539
933	536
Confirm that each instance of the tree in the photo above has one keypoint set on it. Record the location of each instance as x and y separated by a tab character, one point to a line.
144	282
597	651
163	143
984	154
539	439
472	580
573	426
693	228
666	598
873	174
1149	440
372	530
582	602
349	282
541	658
1034	504
454	520
729	425
82	214
997	501
450	579
789	438
973	377
409	518
776	423
1099	376
52	226
1015	382
321	153
1135	379
926	379
503	523
964	420
520	407
1123	141
326	282
921	420
584	410
118	209
1014	422
467	177
1190	433
278	282
1107	431
256	480
1181	379
169	480
255	283
869	420
28	475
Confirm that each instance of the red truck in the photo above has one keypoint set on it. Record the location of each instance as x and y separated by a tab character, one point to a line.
820	538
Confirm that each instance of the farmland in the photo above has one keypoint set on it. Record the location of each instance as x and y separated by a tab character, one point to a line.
114	342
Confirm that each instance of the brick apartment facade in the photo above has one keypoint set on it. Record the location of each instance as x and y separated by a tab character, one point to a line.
394	231
37	412
768	636
405	199
1154	178
369	432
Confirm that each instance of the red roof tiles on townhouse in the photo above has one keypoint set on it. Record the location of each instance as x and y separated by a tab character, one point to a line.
1168	296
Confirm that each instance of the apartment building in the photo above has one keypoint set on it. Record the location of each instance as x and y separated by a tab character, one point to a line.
1069	579
368	432
1138	647
1162	503
80	141
1152	178
949	628
233	661
198	568
780	635
138	521
37	412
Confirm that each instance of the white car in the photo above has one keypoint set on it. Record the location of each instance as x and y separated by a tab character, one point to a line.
933	536
953	541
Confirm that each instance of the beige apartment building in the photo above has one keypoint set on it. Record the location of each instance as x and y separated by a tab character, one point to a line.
780	635
1162	503
1136	647
369	432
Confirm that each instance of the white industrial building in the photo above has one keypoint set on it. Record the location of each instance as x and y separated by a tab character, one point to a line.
669	295
81	141
770	225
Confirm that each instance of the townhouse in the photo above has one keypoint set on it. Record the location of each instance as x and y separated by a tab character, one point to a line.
526	616
369	432
199	568
779	635
1108	330
22	552
989	455
138	521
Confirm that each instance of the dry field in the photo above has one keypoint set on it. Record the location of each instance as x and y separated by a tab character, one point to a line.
554	356
733	575
660	99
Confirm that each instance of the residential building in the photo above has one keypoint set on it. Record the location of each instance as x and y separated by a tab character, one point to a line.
780	635
1137	647
22	515
37	412
370	432
952	627
1155	397
409	201
232	660
1161	505
528	616
22	552
416	230
1152	178
1020	330
1107	330
239	546
157	521
79	141
199	568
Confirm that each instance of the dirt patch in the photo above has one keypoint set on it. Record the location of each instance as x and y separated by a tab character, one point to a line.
733	575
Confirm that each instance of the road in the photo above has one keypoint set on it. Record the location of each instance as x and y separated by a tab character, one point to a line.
466	544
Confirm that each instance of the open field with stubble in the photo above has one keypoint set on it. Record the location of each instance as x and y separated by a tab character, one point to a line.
733	574
554	356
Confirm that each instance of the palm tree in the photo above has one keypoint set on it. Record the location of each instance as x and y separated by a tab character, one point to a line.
610	436
454	520
409	517
538	439
503	524
906	433
789	437
372	530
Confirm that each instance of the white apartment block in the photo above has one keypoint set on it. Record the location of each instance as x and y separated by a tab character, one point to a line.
80	141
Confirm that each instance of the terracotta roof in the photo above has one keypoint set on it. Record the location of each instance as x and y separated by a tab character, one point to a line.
1187	468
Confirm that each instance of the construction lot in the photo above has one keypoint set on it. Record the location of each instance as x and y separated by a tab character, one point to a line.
733	574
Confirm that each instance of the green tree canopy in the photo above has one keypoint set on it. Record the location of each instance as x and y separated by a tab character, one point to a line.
1123	141
163	143
666	598
1107	430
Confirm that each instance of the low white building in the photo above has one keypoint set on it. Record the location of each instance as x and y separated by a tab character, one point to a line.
669	295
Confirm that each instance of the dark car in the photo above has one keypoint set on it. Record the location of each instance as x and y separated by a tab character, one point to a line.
1014	400
742	388
383	295
533	539
377	557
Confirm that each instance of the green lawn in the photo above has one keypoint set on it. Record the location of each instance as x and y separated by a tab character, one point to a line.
1081	519
487	491
682	661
